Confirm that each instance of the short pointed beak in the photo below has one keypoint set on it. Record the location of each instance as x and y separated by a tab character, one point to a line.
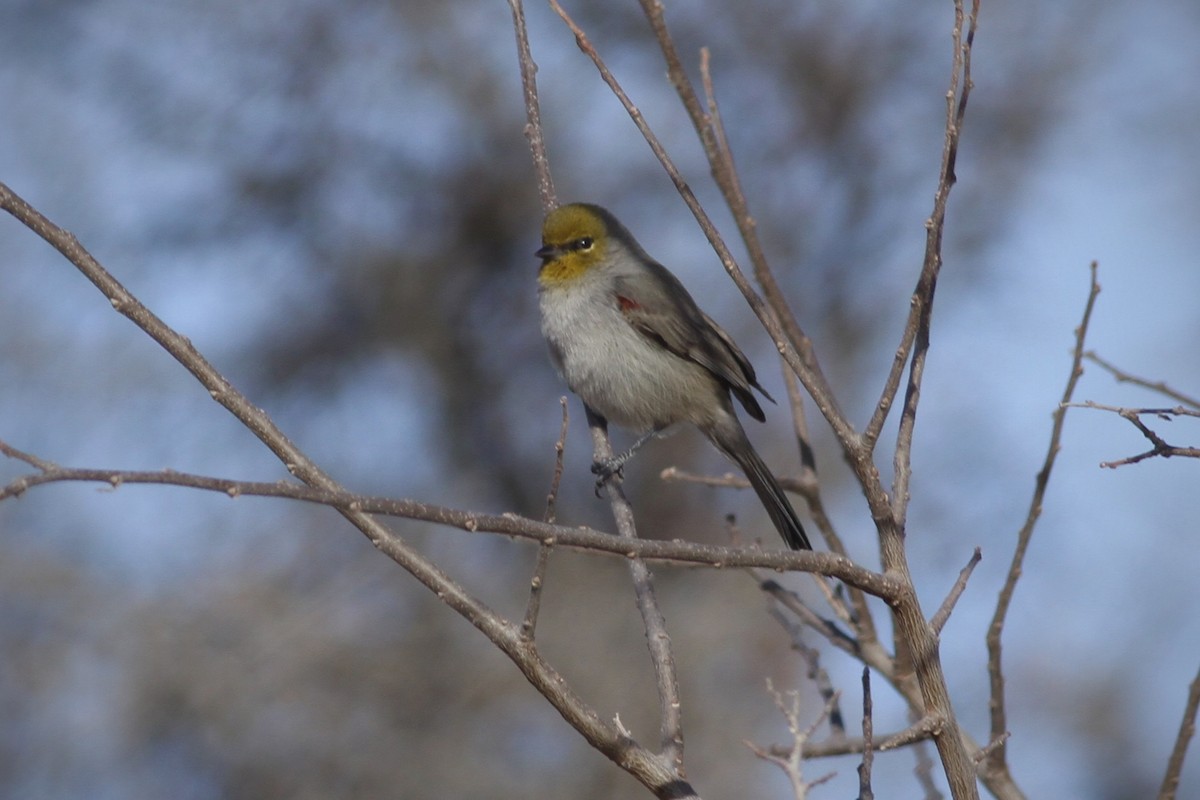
548	251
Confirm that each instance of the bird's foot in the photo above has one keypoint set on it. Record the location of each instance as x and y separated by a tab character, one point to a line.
606	469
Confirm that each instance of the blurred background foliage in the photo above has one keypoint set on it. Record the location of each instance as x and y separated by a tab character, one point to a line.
334	201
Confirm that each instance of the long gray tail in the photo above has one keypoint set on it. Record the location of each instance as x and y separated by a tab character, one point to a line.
735	444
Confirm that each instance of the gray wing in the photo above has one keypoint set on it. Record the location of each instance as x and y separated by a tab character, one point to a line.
661	309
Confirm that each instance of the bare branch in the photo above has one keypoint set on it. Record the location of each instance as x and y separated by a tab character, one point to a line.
560	449
865	792
1158	386
917	329
917	325
533	127
791	760
939	619
832	633
995	766
1127	412
814	672
585	539
915	734
670	707
727	480
992	745
925	728
1133	415
41	464
534	605
1187	729
1165	451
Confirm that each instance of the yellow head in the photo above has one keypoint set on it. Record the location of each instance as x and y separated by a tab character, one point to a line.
575	238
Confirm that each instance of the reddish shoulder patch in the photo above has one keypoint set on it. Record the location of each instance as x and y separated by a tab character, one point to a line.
627	303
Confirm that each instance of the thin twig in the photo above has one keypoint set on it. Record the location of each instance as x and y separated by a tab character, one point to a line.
872	653
1133	415
835	599
1126	411
995	766
1165	451
925	728
917	330
865	792
917	324
992	745
915	735
791	759
726	480
44	466
831	632
939	619
560	449
814	672
1158	386
533	114
1187	729
534	605
809	484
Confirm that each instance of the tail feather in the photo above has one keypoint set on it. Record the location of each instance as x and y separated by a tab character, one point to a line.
737	446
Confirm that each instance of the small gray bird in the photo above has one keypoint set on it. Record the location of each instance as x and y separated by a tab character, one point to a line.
632	343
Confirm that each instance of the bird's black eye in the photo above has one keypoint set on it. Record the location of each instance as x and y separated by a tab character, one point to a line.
584	243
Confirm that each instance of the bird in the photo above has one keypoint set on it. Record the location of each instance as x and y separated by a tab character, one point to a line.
630	341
